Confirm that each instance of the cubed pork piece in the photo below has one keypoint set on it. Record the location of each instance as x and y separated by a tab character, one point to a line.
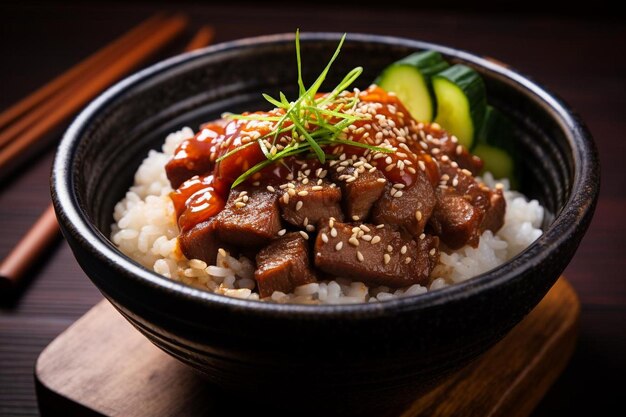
407	208
374	255
201	242
283	265
456	220
360	189
306	204
494	215
250	218
448	148
465	208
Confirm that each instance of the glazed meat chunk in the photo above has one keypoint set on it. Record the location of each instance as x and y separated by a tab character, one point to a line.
379	256
407	208
283	265
307	203
359	190
250	218
465	208
201	242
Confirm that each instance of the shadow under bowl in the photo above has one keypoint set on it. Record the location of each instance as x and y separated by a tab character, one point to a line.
342	359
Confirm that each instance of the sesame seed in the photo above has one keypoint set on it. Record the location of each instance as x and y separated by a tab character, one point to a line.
466	172
331	222
240	204
387	258
398	194
338	246
403	249
355	218
286	198
422	165
366	238
317	188
324	237
359	256
380	226
407	260
305	221
299	205
375	240
282	232
422	236
333	232
302	193
271	189
353	241
389	248
222	252
390	167
381	180
304	235
432	251
399	186
418	215
310	228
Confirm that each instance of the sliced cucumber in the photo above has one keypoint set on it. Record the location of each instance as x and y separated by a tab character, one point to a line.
461	102
409	79
496	130
496	140
496	160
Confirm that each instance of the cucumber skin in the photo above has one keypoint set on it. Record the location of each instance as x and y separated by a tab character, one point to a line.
473	86
427	63
498	131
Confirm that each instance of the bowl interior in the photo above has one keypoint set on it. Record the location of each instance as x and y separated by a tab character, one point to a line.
198	87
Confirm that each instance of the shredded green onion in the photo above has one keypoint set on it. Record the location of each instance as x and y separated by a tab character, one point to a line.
306	110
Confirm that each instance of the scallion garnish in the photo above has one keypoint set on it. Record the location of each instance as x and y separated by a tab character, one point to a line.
315	122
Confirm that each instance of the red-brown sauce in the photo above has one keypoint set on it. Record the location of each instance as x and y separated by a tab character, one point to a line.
203	196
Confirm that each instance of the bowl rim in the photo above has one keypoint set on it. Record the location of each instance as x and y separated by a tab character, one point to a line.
581	202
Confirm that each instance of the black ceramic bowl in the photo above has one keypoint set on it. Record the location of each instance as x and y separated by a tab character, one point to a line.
354	356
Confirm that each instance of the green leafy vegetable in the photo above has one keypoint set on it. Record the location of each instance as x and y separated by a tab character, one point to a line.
326	114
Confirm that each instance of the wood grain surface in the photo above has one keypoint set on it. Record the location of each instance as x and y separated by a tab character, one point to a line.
102	364
579	58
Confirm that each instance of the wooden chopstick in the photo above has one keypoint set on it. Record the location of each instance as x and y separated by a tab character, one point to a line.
74	97
93	61
57	98
203	37
46	230
41	235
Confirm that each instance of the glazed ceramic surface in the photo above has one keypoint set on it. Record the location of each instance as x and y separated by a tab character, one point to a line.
356	357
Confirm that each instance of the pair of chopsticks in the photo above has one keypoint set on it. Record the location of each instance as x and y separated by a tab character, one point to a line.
27	123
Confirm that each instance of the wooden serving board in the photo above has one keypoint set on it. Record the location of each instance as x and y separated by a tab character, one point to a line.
102	365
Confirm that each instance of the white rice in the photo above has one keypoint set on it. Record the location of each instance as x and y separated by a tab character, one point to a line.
145	229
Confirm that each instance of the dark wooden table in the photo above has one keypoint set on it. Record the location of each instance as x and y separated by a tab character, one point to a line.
580	59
